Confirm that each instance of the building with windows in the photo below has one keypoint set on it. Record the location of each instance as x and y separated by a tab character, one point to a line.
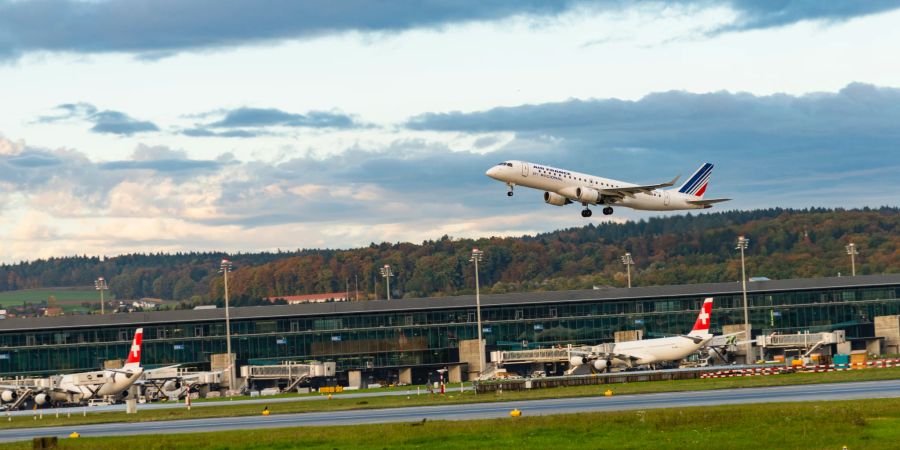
422	334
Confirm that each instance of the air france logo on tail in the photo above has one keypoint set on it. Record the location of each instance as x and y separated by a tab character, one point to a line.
696	184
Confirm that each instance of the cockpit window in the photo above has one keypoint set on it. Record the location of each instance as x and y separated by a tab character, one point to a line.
509	164
505	164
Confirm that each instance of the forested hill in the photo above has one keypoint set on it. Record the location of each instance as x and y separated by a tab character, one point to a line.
673	250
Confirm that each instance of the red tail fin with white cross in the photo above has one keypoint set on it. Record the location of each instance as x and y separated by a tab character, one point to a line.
701	326
134	354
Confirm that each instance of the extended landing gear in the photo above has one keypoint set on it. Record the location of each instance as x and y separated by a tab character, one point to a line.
510	193
608	210
586	212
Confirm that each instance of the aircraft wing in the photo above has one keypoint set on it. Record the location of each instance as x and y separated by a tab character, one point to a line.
611	355
22	387
629	191
34	388
708	202
174	366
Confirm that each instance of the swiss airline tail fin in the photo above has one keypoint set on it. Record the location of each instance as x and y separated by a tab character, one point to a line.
696	184
134	354
701	326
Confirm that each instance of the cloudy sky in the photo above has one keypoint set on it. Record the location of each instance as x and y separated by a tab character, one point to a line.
164	125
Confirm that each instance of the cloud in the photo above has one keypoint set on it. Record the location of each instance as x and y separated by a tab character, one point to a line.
203	132
260	117
159	28
105	121
754	15
254	122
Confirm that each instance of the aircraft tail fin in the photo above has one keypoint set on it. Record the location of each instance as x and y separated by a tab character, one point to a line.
701	326
134	354
696	184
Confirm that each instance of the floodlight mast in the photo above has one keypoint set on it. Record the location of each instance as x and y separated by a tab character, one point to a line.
224	268
742	244
628	261
476	258
100	285
387	273
852	250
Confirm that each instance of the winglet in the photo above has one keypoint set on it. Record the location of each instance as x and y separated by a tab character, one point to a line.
672	183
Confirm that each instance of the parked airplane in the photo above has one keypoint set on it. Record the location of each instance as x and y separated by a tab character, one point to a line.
562	187
648	351
79	387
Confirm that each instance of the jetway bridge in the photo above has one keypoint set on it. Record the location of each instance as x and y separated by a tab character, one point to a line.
290	374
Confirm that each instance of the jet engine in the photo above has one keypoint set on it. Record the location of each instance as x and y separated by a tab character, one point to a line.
41	399
601	364
587	195
8	396
171	385
555	199
577	360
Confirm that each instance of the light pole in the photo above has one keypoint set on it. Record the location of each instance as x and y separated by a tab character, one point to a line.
476	258
628	261
100	285
852	251
742	244
387	273
224	268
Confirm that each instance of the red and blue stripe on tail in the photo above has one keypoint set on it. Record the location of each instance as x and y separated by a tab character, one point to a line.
696	184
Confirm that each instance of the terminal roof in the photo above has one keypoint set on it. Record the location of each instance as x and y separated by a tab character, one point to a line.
409	305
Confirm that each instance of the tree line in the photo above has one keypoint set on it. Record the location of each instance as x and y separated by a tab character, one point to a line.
691	248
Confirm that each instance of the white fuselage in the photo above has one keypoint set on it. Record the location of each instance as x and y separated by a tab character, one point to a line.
565	182
652	351
79	387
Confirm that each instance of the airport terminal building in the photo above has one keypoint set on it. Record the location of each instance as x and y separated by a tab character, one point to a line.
428	333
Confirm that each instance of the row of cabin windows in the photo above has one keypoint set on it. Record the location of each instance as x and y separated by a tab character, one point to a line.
581	179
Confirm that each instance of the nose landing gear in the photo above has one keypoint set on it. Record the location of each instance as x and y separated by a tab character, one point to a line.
510	193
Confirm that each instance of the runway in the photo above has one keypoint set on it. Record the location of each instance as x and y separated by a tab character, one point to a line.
834	391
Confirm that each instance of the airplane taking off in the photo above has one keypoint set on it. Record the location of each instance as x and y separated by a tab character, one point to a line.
562	187
649	351
80	387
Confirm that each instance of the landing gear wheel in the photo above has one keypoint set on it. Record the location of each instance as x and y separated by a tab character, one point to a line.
586	213
608	210
509	194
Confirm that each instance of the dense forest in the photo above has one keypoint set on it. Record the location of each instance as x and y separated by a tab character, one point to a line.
784	243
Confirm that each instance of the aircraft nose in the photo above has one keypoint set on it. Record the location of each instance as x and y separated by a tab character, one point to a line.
492	172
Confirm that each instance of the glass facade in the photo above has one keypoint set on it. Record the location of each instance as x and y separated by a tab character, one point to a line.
431	337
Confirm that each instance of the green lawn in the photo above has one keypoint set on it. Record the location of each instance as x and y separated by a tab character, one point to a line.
67	295
67	298
454	387
339	404
858	424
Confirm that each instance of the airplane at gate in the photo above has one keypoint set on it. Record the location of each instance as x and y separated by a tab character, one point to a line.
562	187
80	387
650	351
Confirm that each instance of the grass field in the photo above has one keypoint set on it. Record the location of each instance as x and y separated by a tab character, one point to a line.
223	409
67	298
858	424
